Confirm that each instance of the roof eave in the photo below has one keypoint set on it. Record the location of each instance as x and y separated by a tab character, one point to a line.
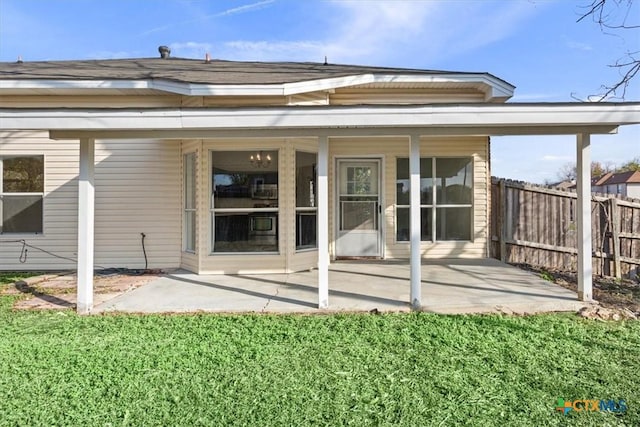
494	88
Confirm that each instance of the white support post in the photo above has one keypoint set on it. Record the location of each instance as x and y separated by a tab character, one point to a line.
323	222
583	178
414	222
85	226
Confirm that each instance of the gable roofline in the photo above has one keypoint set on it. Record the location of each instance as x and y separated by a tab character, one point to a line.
192	77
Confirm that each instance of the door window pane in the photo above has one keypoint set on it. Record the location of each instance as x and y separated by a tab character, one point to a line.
358	215
360	180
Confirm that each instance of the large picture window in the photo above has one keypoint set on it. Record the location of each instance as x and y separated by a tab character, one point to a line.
189	167
306	201
21	194
446	198
244	203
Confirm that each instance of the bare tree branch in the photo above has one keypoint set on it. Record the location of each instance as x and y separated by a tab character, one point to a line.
607	14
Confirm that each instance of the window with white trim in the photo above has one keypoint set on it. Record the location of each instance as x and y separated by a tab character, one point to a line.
189	168
244	203
21	194
446	198
306	200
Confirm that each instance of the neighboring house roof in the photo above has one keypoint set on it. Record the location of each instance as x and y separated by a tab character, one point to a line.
202	77
632	177
563	185
600	180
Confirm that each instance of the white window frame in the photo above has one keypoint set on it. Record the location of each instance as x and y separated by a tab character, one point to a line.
313	209
2	194
434	203
187	210
213	210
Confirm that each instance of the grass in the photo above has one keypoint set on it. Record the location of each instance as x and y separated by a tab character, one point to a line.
353	369
12	276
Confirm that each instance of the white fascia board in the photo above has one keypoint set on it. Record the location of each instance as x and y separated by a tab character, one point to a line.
74	84
189	89
494	88
89	119
195	89
478	116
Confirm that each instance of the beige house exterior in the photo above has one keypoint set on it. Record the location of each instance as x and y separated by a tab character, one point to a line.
222	167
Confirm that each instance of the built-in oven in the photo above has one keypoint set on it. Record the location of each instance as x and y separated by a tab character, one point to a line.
263	228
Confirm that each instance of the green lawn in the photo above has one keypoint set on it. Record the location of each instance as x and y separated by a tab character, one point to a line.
57	368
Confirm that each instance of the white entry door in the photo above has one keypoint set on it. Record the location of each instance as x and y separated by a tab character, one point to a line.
358	210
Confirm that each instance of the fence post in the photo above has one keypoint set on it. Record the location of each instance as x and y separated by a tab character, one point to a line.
502	223
615	235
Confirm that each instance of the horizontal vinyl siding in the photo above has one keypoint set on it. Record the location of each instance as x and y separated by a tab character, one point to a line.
138	190
392	148
350	96
134	193
60	203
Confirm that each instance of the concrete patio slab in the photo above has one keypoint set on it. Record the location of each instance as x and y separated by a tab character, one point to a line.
448	286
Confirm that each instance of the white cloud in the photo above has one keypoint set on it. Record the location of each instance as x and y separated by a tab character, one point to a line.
553	158
244	9
233	11
389	32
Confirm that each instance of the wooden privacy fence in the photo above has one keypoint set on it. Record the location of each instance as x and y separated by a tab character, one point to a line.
537	226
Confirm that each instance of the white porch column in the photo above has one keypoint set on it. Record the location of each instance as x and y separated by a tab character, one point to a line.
583	178
323	222
414	221
85	226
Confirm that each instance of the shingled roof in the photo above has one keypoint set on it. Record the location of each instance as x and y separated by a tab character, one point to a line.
216	72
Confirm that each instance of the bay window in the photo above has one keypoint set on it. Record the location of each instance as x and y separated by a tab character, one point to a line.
21	194
446	198
244	201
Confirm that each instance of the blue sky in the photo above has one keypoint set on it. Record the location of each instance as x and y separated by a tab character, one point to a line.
534	44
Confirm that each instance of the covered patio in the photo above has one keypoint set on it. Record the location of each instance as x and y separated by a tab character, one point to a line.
448	286
419	284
